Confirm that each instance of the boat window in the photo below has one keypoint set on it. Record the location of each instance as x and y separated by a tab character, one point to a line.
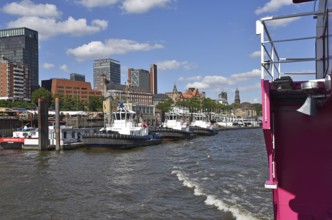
64	135
73	134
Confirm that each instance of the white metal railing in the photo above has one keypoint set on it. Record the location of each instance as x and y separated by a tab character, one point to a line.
270	59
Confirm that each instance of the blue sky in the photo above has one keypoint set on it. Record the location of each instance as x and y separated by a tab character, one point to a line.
207	44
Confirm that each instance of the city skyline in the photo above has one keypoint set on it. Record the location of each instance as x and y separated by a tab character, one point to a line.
212	47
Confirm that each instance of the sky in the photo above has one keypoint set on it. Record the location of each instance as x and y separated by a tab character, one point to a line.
207	44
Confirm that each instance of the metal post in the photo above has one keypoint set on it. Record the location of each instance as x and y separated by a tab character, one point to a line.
57	124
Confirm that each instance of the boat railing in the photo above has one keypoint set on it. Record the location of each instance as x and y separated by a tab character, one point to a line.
272	62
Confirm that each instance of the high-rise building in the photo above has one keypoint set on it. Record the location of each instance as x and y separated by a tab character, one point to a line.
77	77
15	81
106	67
20	46
139	78
237	96
153	79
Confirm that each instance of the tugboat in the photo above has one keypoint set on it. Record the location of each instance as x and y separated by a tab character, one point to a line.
124	133
201	126
173	129
297	120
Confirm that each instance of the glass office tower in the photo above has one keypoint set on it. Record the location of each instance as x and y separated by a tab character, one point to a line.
109	68
20	45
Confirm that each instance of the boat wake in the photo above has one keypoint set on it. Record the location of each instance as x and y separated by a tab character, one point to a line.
211	200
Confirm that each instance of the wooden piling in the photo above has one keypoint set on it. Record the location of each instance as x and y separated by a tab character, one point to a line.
43	141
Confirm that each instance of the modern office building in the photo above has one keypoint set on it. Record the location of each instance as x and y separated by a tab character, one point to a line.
106	67
15	81
153	79
139	78
20	46
77	77
67	87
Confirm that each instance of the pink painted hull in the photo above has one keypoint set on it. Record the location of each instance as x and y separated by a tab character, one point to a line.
300	161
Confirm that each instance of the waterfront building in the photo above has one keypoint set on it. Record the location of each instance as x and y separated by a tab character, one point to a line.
141	101
73	88
175	95
245	110
153	79
15	81
106	67
77	77
192	92
20	46
139	78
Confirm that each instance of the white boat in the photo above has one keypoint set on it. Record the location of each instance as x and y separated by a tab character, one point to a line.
28	137
175	121
201	126
123	133
124	122
226	121
173	128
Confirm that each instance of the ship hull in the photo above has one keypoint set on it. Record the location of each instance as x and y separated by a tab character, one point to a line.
299	153
118	141
203	131
169	134
11	143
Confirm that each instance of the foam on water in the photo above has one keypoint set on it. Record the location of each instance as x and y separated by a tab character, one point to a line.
211	199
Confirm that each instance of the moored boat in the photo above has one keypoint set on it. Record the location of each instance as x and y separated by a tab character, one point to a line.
297	118
28	138
123	133
201	126
18	138
174	128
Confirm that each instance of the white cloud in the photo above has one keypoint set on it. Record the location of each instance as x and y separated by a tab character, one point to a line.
50	27
28	8
215	82
255	73
48	66
255	54
44	18
96	3
64	68
273	5
191	78
142	6
128	6
98	49
174	64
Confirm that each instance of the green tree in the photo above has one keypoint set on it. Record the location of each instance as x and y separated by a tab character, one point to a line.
95	104
165	106
258	107
41	93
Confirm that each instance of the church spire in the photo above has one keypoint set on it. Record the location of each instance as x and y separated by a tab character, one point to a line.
175	90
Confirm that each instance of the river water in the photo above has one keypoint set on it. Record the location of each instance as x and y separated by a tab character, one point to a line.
218	177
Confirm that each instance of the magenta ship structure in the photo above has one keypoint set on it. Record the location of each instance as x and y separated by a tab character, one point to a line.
297	112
